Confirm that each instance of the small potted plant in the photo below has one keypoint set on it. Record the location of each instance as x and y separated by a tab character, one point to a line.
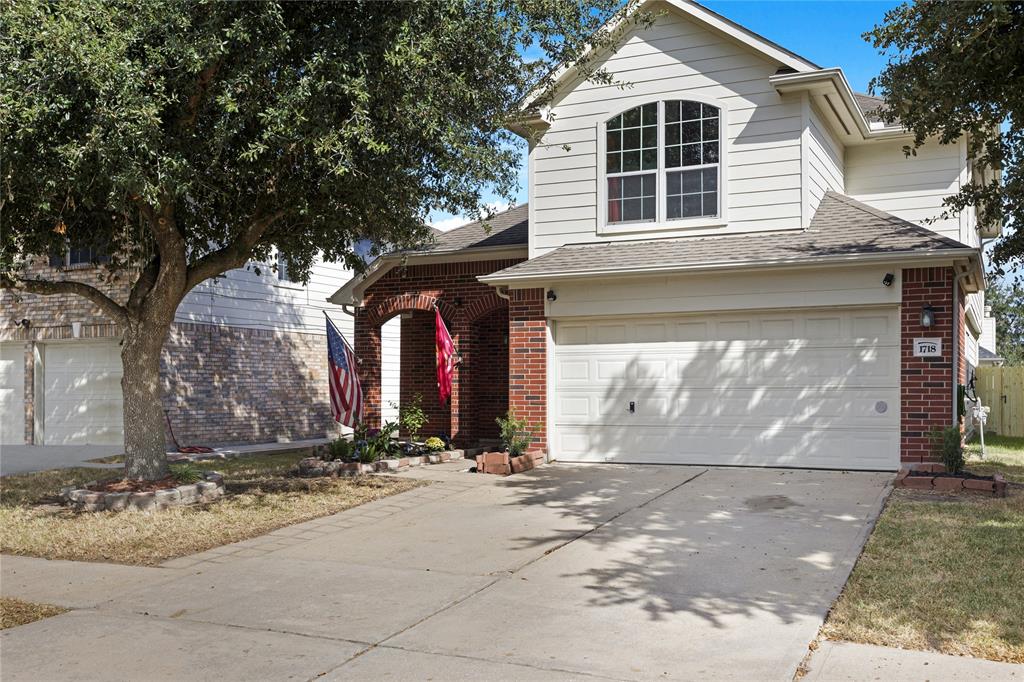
515	439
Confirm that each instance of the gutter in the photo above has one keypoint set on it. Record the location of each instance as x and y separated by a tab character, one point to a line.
498	279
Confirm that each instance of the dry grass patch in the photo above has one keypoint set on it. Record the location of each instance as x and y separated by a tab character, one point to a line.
15	612
260	500
940	573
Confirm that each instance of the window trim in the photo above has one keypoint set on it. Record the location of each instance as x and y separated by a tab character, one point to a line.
275	272
661	221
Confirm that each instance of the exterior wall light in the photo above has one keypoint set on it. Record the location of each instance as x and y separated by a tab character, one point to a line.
928	316
551	296
888	279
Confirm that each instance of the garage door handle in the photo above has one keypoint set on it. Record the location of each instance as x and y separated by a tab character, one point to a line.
632	406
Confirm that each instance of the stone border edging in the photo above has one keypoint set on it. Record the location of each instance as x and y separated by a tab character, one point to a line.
83	499
316	466
919	479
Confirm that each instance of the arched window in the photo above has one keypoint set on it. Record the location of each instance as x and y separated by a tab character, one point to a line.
662	163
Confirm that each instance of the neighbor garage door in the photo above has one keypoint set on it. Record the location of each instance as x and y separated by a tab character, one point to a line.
815	388
82	393
12	393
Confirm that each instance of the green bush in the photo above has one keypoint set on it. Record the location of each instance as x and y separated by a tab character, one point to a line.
514	436
340	449
186	473
376	444
411	416
434	444
949	447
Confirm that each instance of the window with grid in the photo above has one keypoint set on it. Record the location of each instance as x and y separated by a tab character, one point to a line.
662	162
282	268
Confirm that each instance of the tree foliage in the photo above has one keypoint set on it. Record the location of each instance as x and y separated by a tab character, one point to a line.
1007	301
956	70
188	137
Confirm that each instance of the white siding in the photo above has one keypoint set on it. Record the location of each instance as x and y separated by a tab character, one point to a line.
911	187
971	349
825	160
672	59
391	367
241	298
703	292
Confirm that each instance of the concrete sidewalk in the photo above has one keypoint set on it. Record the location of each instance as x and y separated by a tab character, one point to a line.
846	661
23	459
565	572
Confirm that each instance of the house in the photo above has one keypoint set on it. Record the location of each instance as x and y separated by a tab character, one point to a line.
245	362
730	261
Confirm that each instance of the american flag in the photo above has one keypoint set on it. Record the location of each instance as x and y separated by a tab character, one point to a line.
346	393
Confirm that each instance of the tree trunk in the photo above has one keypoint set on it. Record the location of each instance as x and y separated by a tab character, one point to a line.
145	449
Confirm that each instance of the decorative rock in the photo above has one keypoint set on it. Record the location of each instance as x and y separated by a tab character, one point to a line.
387	465
189	493
415	461
116	501
142	501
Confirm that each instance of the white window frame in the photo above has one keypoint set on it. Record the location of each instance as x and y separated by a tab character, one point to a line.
661	222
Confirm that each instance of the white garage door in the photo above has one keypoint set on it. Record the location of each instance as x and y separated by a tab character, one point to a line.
82	394
805	389
12	393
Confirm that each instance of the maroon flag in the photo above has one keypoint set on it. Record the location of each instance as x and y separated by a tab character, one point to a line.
445	358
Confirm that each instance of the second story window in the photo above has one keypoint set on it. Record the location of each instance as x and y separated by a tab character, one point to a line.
282	268
662	164
78	256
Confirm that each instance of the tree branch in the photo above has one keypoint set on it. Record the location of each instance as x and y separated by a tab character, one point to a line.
143	285
202	85
44	287
233	255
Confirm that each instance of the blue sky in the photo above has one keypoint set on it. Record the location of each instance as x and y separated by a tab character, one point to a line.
827	33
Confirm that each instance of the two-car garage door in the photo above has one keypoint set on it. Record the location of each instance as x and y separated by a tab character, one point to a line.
815	388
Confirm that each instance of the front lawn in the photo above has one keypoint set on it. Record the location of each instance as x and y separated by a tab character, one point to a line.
1003	454
260	499
943	572
15	612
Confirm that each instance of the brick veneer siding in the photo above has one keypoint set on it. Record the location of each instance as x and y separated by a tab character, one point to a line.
527	364
240	385
464	302
927	387
221	384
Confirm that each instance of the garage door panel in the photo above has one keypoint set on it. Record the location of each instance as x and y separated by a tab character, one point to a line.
12	393
732	445
818	388
82	394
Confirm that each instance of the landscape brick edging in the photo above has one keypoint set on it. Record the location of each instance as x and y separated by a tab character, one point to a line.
918	479
83	499
314	467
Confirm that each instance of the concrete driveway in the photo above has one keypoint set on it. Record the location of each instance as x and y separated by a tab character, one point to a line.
566	572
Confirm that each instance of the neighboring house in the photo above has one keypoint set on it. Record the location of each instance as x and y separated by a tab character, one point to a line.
246	360
726	262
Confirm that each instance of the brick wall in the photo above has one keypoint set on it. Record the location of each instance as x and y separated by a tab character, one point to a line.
927	387
238	385
527	365
467	306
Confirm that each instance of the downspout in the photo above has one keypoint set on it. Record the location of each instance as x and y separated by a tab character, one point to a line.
502	292
957	278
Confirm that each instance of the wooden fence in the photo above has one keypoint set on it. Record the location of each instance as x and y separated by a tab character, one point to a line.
1002	389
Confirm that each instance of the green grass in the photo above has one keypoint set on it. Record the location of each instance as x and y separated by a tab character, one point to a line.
1003	455
261	498
942	575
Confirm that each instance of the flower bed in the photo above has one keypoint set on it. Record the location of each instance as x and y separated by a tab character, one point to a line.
317	466
935	477
142	496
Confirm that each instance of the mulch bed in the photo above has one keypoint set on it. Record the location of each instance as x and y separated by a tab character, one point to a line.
126	485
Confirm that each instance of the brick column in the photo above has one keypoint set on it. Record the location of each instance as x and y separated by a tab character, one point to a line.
367	348
527	360
926	384
462	409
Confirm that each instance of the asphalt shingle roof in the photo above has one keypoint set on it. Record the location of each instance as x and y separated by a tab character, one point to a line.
508	228
870	106
841	227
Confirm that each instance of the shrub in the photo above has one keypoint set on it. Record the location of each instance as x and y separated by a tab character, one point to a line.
514	436
434	444
411	416
376	444
340	448
949	447
186	473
